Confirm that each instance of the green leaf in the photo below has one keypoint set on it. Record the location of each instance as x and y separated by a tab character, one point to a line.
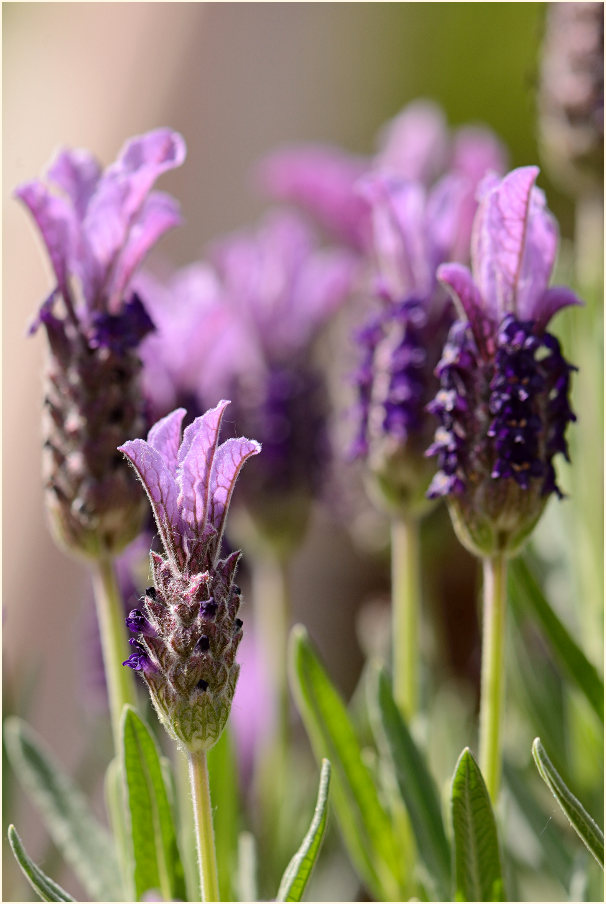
224	793
364	823
157	864
557	856
527	595
477	861
114	802
83	841
41	883
298	871
585	827
415	784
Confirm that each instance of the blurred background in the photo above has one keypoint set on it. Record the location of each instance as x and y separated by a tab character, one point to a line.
236	79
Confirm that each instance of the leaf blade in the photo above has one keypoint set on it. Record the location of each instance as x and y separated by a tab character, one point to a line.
477	860
364	824
83	841
157	863
570	656
586	828
297	873
416	786
42	884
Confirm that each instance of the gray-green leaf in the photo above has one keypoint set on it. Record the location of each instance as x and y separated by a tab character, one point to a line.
414	781
82	840
39	881
157	864
364	824
298	871
527	595
586	828
477	861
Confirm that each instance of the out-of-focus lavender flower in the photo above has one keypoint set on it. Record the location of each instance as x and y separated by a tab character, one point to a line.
187	629
414	229
415	146
503	403
97	227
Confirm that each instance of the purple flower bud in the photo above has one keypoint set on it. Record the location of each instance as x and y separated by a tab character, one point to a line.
503	404
187	623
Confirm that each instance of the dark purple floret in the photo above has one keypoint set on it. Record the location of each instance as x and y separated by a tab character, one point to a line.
203	643
139	624
208	609
122	331
139	659
503	418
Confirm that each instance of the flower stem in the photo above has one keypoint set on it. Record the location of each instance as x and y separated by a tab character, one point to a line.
203	821
110	616
493	645
405	593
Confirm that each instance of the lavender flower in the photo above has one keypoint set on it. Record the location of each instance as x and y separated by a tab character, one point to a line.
97	228
187	629
503	403
414	229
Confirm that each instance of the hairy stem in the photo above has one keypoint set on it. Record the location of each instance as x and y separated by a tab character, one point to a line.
493	646
203	821
405	599
110	616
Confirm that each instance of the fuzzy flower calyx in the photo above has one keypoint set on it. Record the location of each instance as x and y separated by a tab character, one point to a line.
503	401
97	227
187	629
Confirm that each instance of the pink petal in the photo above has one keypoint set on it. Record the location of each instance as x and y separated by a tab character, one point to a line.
540	248
227	463
77	173
498	241
458	281
161	488
321	180
195	462
550	302
414	145
165	437
160	212
142	160
57	224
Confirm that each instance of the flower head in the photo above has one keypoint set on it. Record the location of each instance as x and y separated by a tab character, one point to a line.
503	404
97	227
187	630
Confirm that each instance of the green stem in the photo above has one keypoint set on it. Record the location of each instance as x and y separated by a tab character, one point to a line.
405	593
493	646
203	821
110	616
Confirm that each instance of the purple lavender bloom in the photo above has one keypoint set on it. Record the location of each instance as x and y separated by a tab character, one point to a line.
415	228
503	403
97	227
415	146
187	627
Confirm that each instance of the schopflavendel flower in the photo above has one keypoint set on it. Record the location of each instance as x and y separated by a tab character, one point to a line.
97	227
503	403
187	629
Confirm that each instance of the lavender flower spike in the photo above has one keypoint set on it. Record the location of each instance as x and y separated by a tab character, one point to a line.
97	227
503	403
187	630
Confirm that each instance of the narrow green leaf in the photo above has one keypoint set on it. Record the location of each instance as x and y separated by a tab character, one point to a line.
557	856
527	595
83	841
585	827
247	885
157	864
365	825
415	784
222	770
115	805
41	883
477	861
298	871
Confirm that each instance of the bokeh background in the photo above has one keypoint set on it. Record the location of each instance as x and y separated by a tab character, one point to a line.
237	79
